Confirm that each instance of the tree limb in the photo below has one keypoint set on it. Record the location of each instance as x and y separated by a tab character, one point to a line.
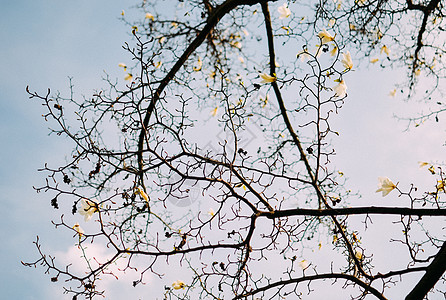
433	273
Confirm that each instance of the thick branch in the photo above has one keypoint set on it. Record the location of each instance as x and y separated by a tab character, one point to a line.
427	11
404	211
433	273
357	281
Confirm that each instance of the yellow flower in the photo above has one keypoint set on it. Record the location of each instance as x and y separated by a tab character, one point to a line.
88	208
325	36
284	11
214	112
333	51
392	93
385	185
122	65
158	64
128	77
286	28
352	27
264	101
355	238
200	64
359	255
374	60
78	229
178	285
236	44
331	22
422	164
432	170
150	16
140	191
440	186
241	59
347	60
267	78
122	12
385	50
341	89
211	212
303	264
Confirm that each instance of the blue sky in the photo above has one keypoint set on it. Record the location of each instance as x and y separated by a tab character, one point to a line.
44	42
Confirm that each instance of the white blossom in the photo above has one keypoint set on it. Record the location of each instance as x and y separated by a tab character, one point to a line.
150	16
385	50
284	11
347	60
178	285
88	208
303	264
128	77
267	78
341	89
325	36
385	185
122	65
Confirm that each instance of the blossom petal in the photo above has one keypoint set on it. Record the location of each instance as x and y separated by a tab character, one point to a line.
341	89
143	194
178	285
267	78
385	185
347	60
303	264
284	11
88	208
325	36
150	16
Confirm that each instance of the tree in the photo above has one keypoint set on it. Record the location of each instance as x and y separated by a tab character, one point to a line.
205	78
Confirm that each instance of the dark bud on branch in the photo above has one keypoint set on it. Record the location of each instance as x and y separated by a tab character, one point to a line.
95	171
66	179
54	203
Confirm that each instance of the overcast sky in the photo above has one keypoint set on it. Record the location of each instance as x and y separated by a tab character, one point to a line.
44	42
